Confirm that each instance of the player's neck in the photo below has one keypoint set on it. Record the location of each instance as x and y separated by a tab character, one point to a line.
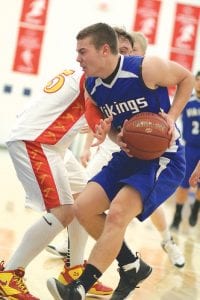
116	63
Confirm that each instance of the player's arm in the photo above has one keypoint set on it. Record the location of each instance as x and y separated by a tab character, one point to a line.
117	138
195	177
96	121
102	129
158	72
86	153
93	114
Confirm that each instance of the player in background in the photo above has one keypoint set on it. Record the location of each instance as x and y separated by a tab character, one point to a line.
191	136
37	145
140	43
128	187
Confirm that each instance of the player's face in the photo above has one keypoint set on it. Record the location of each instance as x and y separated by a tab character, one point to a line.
137	49
90	58
125	47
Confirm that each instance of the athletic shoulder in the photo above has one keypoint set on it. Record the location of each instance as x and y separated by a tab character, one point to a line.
66	80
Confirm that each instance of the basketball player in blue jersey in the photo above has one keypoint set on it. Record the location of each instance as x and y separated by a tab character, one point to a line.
191	136
105	150
128	187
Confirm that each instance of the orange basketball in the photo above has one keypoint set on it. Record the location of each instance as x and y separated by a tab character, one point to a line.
146	135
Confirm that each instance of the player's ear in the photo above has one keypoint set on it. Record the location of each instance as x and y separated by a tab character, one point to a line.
105	49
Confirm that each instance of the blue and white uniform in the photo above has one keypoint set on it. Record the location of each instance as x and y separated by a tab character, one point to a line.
191	136
124	96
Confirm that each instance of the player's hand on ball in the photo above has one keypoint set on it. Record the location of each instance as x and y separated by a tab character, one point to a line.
171	125
147	135
121	143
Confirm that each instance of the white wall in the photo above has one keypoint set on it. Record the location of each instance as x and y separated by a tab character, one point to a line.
65	19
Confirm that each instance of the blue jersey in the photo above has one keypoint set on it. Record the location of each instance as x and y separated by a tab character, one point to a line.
191	122
127	94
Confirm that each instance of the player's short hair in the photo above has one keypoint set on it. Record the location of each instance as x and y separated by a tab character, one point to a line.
100	33
121	32
139	37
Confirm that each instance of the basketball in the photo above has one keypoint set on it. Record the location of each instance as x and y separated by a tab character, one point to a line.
146	135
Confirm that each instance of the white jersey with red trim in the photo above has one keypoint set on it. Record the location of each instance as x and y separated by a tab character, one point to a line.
56	115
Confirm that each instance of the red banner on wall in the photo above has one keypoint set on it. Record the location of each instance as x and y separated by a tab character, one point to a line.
184	37
183	59
185	27
34	12
30	36
185	34
146	19
28	50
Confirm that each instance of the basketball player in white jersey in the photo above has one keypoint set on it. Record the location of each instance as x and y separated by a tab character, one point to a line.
37	146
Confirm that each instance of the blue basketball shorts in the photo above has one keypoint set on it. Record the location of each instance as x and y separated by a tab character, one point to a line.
156	180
